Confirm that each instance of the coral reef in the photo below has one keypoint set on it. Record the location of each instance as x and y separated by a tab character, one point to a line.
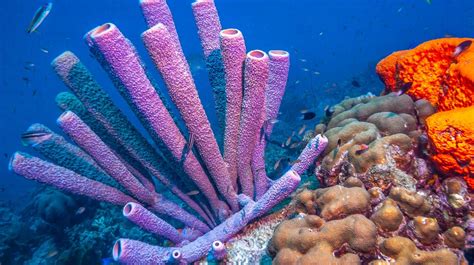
113	162
376	139
439	71
378	172
402	228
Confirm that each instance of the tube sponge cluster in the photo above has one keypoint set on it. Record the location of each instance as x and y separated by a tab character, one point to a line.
112	161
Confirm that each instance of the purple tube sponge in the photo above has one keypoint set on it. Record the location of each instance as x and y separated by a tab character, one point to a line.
200	247
125	65
209	26
309	154
233	55
278	76
128	251
256	77
219	250
91	143
157	11
181	87
150	222
279	68
64	179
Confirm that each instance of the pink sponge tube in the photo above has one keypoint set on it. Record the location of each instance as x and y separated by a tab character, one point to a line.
150	222
64	179
208	24
255	81
233	56
278	75
126	66
195	250
279	68
93	145
182	90
128	251
312	150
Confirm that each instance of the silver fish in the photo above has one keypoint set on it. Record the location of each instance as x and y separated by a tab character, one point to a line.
39	17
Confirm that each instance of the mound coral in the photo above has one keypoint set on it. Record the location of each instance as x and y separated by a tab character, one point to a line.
403	228
113	161
375	138
434	70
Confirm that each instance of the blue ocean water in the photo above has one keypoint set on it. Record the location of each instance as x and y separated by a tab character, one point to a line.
331	43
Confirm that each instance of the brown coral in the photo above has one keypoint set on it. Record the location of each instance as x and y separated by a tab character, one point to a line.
335	202
388	216
404	252
375	139
411	203
311	240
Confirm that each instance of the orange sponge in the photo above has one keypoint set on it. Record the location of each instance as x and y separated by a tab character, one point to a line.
451	135
434	71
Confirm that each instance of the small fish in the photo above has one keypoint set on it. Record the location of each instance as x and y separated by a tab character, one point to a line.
404	88
262	130
33	93
321	33
316	73
336	150
295	162
192	193
80	210
288	141
44	50
328	111
400	9
428	2
302	129
282	163
463	163
308	116
188	147
277	164
355	83
294	145
52	253
303	60
462	47
5	155
30	64
297	82
273	121
26	79
33	137
39	17
305	69
363	149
